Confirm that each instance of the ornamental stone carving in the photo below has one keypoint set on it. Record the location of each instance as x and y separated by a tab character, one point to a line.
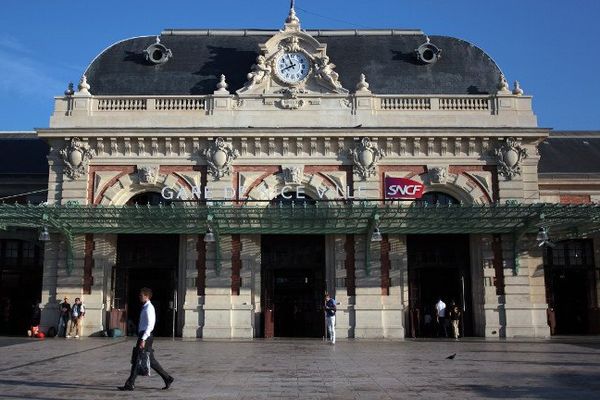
327	76
219	157
259	72
438	175
510	154
147	174
76	157
293	174
365	156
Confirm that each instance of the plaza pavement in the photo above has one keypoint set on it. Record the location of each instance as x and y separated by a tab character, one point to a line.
91	368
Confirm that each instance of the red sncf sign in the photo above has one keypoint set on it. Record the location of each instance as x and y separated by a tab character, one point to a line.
403	188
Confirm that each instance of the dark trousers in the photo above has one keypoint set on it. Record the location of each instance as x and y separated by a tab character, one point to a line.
153	363
442	327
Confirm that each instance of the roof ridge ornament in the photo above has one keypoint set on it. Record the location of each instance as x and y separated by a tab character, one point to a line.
292	22
503	85
83	87
363	85
517	91
222	86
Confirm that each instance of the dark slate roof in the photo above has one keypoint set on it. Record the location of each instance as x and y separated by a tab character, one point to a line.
23	155
570	152
388	60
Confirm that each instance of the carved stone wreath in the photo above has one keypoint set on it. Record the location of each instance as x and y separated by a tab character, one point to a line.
510	154
76	157
219	157
365	157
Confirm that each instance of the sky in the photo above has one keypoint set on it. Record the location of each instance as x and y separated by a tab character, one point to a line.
550	46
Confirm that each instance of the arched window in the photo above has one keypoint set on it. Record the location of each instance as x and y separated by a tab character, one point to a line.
152	198
438	198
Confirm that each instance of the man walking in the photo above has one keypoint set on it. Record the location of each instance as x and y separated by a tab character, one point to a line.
145	339
330	310
440	309
455	315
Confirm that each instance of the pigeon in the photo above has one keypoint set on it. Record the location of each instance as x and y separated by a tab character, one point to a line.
451	357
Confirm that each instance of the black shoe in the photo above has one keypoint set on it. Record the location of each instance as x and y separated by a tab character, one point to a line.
126	387
168	382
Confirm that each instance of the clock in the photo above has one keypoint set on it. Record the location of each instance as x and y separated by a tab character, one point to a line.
292	67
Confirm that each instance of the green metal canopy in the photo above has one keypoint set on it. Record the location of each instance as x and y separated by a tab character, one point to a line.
321	218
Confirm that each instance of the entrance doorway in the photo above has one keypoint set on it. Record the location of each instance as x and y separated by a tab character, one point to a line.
145	261
20	284
293	285
570	287
438	268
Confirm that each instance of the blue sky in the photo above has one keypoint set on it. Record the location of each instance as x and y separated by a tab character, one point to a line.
550	46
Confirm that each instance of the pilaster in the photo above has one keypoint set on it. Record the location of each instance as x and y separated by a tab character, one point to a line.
217	304
189	303
525	293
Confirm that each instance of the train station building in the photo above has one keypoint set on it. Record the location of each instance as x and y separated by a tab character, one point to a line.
241	174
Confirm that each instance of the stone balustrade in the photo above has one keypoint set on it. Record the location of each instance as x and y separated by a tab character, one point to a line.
325	110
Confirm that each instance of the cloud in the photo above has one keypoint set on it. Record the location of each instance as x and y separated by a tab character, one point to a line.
10	43
22	75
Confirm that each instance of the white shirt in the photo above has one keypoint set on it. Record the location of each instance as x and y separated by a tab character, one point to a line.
147	320
441	309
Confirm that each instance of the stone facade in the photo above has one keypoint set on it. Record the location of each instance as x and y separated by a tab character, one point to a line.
479	149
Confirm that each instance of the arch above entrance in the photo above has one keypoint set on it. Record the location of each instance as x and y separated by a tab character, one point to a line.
130	185
466	188
312	186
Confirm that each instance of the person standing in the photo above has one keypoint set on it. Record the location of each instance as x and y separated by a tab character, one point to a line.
144	342
65	313
76	322
330	310
455	315
440	310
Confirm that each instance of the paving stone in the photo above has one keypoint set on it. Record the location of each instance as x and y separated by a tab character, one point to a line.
563	368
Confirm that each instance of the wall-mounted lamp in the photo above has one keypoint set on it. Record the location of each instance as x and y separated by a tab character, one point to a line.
44	235
543	239
376	236
209	236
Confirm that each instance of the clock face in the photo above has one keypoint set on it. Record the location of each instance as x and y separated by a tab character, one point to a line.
292	67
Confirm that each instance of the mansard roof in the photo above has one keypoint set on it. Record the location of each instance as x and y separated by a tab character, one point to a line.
570	152
386	57
23	153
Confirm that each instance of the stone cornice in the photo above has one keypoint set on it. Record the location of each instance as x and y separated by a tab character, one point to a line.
295	131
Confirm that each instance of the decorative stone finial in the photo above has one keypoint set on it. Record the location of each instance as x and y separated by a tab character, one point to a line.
503	85
157	39
84	86
292	21
70	91
222	86
517	91
362	85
